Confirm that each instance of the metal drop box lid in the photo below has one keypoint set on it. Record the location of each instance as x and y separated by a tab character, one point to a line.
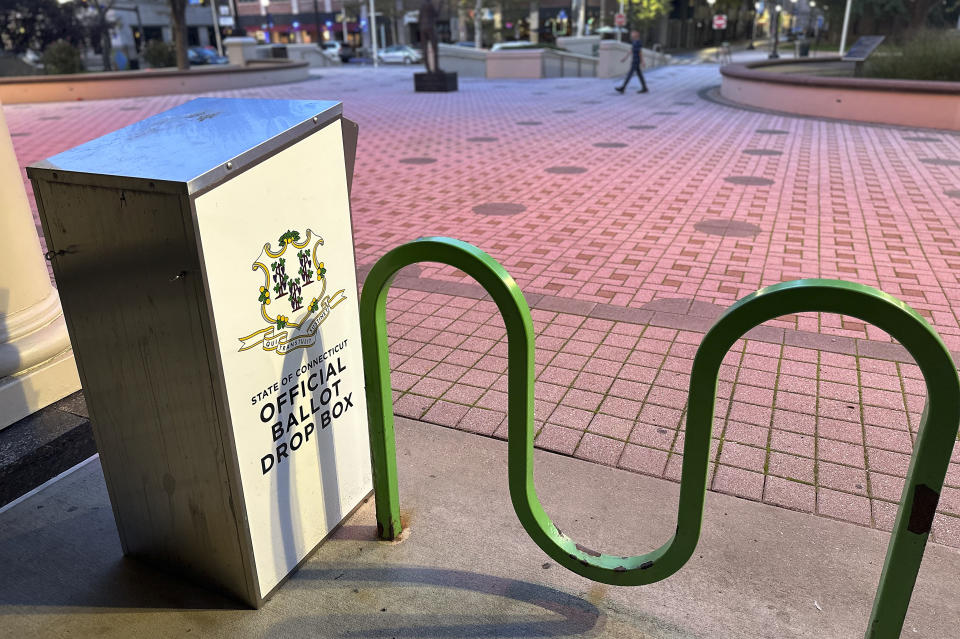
172	149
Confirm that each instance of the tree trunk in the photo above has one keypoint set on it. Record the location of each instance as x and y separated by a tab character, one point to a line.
400	27
178	22
919	10
105	47
581	17
534	20
462	22
478	25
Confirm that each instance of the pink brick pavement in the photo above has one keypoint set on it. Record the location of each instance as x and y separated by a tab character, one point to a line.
616	246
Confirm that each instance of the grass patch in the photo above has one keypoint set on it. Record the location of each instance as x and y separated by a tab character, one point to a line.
930	55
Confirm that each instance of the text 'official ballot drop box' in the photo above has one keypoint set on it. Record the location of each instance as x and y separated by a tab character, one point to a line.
204	258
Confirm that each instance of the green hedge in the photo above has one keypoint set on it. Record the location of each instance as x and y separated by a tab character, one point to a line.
930	55
159	54
62	57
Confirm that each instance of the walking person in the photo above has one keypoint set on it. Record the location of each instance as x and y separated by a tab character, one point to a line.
637	64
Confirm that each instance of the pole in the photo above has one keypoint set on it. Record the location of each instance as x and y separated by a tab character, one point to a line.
372	25
216	25
846	23
776	34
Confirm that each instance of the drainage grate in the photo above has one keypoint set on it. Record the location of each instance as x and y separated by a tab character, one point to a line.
482	139
748	180
762	152
940	161
529	123
566	170
772	131
642	127
417	160
499	208
609	145
732	228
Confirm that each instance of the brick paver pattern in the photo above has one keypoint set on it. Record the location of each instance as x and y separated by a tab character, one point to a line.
620	235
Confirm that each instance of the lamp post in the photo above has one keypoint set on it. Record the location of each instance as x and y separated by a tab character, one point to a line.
753	30
710	3
793	17
776	32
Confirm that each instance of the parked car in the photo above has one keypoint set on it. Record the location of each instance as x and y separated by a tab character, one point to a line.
335	48
200	55
515	44
399	53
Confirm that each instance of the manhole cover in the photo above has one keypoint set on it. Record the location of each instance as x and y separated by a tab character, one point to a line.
529	123
772	131
940	161
920	138
664	112
732	228
18	135
417	160
499	208
748	180
565	111
482	139
952	193
642	127
566	170
609	145
762	152
684	103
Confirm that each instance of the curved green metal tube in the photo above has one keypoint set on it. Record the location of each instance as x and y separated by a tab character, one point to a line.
925	477
935	438
626	571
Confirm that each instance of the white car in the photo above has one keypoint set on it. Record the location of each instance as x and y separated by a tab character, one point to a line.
513	44
334	49
399	53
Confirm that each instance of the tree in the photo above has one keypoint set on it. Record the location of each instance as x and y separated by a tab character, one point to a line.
178	20
642	12
35	24
98	26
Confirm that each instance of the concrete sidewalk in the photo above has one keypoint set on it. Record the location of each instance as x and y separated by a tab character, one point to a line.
469	570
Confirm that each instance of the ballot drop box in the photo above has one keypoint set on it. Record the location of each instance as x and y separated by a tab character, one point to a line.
204	258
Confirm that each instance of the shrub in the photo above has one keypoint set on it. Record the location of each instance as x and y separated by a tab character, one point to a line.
62	57
930	55
159	54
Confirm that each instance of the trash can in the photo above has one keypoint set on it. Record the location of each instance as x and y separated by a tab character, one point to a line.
804	49
278	51
204	258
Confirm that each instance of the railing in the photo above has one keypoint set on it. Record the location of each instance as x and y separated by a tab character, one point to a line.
925	477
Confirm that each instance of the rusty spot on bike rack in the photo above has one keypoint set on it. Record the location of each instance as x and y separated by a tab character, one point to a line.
924	508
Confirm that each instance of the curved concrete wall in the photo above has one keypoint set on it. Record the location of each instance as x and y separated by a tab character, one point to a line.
900	102
130	84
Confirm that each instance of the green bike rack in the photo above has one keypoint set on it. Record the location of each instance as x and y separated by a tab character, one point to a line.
925	477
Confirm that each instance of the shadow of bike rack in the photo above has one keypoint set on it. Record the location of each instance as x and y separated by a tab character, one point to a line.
925	477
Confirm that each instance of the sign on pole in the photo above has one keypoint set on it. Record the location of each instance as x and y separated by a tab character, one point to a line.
620	20
720	21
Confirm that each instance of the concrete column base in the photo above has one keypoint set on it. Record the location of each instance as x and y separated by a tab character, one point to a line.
28	391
